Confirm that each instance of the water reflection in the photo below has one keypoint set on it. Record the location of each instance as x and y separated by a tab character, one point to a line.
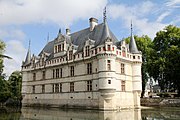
170	113
55	114
10	113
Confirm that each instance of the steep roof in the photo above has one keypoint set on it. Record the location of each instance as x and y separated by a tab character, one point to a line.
132	44
100	33
28	58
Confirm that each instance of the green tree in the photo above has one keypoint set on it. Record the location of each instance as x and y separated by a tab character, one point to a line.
15	82
145	45
166	59
4	86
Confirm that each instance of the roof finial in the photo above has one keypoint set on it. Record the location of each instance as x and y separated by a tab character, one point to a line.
29	44
131	28
104	14
48	38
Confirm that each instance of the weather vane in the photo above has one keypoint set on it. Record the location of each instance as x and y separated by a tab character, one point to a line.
104	14
29	43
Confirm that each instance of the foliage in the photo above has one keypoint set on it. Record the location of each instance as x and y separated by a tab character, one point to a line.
9	89
166	59
145	45
15	81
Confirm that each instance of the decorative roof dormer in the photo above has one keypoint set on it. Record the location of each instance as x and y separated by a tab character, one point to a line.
132	45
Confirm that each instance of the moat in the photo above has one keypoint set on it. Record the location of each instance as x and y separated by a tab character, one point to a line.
58	114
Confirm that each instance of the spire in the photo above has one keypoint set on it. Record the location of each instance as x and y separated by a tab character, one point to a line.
104	15
48	38
106	33
106	30
28	56
132	44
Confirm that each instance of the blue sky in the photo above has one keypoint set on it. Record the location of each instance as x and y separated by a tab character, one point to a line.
24	20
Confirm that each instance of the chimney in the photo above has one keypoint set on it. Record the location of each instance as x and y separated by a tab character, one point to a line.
68	31
93	22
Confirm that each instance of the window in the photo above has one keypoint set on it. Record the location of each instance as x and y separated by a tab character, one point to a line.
60	72
104	49
123	52
109	47
70	55
34	76
123	86
33	89
63	47
100	49
89	85
60	87
43	75
53	73
57	73
87	51
56	88
89	68
72	71
109	81
71	87
122	68
53	88
134	57
59	48
55	49
96	51
108	65
43	88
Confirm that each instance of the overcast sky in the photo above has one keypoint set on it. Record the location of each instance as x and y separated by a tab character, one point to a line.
24	20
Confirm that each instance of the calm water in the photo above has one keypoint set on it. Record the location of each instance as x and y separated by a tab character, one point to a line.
57	114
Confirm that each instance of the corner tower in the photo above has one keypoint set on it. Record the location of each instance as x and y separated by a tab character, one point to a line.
136	70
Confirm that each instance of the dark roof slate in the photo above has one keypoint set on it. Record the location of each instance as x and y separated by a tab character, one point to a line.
100	33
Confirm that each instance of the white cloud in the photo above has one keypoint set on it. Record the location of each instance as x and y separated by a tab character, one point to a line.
173	3
16	50
13	39
9	34
162	16
62	12
141	23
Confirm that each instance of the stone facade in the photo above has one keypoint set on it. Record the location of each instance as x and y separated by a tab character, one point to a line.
88	69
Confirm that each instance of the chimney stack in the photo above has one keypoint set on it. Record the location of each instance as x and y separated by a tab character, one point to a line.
93	22
68	31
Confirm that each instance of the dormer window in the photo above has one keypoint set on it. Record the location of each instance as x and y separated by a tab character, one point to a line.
63	47
87	50
59	48
123	52
55	49
70	55
109	47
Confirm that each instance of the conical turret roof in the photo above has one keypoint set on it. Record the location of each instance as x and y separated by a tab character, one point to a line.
132	44
28	56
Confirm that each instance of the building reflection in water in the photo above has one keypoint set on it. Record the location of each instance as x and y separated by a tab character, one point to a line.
57	114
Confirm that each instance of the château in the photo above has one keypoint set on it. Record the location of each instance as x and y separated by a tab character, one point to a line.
88	69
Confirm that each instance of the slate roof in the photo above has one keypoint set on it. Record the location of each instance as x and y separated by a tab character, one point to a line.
28	58
100	33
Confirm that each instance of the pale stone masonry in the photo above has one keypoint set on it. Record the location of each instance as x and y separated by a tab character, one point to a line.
88	69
